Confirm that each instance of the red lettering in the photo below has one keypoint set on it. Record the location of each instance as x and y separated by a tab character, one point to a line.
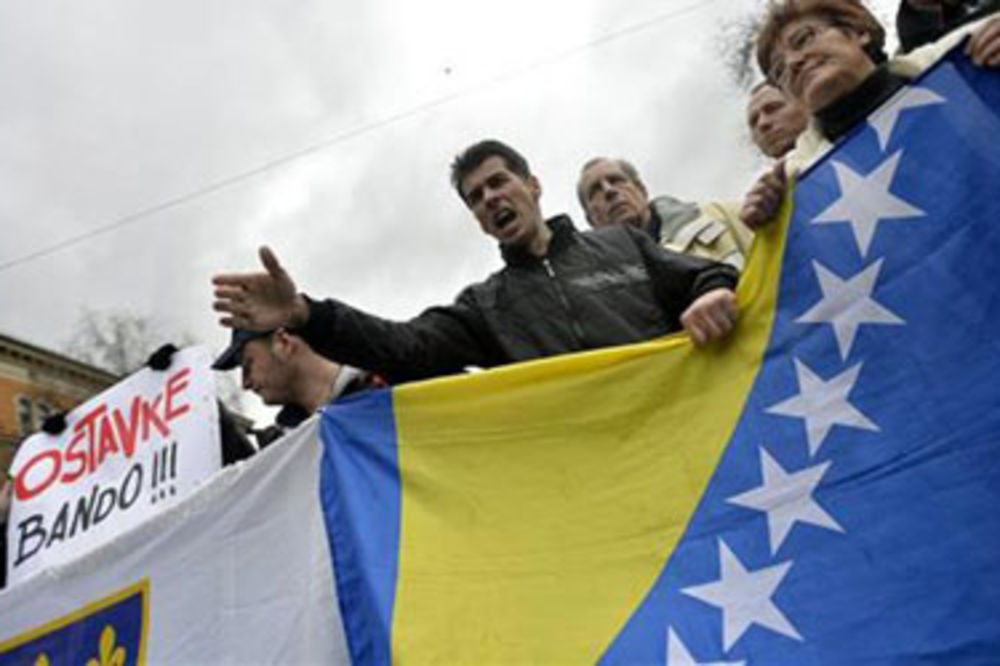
107	444
149	416
101	433
175	385
21	488
75	455
89	421
128	431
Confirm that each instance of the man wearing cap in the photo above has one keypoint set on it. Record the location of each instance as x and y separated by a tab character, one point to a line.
283	370
561	290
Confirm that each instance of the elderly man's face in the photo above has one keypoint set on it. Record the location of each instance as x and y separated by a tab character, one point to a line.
775	121
817	63
610	197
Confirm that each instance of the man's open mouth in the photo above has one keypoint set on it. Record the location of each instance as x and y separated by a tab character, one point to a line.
503	218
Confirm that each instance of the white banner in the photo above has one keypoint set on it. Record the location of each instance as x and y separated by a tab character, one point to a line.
238	573
126	454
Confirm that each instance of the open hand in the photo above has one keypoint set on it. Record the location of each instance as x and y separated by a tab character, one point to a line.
260	301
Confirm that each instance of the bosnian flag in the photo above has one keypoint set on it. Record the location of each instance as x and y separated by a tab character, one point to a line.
820	489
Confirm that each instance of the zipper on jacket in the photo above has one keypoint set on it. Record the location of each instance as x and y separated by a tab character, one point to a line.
577	329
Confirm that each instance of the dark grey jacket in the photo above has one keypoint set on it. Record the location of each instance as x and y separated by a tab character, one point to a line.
600	288
917	27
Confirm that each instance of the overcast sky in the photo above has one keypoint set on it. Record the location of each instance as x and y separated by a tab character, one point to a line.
111	107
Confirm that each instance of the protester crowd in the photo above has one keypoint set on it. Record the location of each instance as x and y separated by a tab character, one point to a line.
648	266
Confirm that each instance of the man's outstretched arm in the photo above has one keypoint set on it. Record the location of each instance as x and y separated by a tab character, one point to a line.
442	340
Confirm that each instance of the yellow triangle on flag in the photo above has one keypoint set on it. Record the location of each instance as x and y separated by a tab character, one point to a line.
541	501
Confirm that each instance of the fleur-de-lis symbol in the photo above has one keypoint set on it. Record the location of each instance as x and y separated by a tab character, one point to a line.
108	654
42	660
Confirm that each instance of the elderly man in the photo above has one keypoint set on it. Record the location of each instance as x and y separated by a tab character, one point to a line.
612	193
560	291
828	55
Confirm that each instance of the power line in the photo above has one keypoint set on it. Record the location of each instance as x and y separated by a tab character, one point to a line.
365	128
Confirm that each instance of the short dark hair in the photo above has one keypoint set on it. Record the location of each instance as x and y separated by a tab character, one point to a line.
766	83
469	160
838	13
627	168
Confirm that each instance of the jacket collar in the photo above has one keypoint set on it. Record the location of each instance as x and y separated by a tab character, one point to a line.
290	416
655	226
562	232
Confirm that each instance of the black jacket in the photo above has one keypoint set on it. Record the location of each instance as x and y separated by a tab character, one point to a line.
844	113
601	288
3	555
917	27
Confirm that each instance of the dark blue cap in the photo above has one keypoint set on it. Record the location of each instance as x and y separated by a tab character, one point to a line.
231	357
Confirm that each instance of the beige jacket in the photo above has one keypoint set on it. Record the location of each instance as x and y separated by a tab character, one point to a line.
712	230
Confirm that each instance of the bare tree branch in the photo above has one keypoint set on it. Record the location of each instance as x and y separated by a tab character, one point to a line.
121	342
735	44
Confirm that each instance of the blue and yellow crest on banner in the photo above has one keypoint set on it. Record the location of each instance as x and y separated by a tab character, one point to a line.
109	632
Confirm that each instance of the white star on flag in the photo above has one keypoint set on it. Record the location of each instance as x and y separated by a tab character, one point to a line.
884	120
787	499
678	655
823	404
745	597
847	304
866	200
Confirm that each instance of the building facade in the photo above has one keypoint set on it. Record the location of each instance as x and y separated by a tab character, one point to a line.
35	383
